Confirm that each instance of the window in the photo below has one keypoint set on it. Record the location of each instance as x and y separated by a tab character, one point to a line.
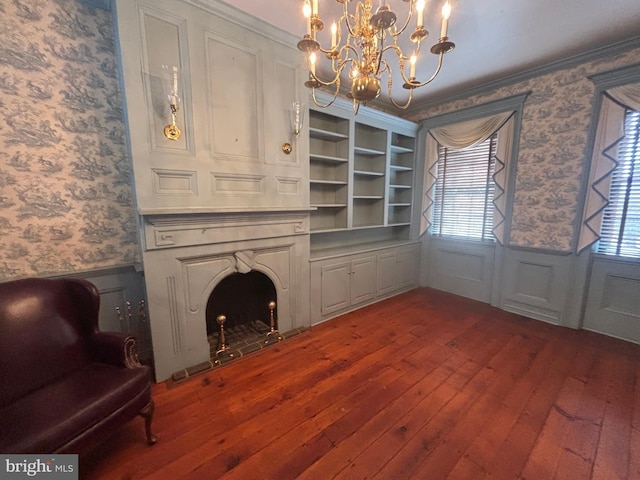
620	234
463	201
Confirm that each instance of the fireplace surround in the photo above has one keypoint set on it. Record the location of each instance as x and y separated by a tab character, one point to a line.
187	255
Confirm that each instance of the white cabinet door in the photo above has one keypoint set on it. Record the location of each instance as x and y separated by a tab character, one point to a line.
386	273
347	282
363	279
335	287
406	267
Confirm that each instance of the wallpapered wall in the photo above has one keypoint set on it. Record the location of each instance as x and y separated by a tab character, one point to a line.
65	195
551	157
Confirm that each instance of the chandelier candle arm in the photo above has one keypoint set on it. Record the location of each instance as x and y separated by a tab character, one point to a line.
370	34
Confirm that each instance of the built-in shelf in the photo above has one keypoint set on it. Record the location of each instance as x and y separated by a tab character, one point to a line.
361	170
326	134
400	168
328	182
327	158
400	149
367	151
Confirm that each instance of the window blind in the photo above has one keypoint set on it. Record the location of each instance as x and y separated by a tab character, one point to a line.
620	233
463	201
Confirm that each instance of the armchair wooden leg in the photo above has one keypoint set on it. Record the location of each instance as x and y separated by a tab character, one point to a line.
147	414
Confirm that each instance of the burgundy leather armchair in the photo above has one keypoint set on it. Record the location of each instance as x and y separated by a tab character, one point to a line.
64	385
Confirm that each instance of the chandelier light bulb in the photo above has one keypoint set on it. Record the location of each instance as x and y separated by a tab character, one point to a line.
420	11
334	32
306	11
312	62
446	13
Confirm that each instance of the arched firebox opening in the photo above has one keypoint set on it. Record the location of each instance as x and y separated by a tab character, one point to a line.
242	298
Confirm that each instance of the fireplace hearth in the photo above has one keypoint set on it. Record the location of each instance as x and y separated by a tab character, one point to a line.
243	340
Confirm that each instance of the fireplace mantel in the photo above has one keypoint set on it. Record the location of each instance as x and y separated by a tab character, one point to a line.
175	230
187	256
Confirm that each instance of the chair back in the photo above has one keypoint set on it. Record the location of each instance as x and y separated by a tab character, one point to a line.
44	326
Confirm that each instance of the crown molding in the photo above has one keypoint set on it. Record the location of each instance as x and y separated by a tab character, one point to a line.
617	76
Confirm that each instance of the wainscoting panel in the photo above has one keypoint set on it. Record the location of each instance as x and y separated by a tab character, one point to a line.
613	300
123	304
462	268
536	284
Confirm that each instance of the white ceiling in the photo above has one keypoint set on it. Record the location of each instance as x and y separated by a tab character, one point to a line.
494	38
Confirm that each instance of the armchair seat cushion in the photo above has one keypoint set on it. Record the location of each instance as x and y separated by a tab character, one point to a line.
55	414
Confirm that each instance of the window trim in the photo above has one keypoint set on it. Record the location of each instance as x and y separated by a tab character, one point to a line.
602	81
615	241
513	104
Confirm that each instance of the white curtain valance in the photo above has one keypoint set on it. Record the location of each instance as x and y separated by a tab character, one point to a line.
610	132
469	133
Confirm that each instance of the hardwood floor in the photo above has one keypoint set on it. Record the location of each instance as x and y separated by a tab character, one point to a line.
425	385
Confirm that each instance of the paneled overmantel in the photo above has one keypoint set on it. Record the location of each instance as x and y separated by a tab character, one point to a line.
236	80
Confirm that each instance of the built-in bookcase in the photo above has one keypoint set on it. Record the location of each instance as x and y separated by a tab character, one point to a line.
401	178
361	172
369	172
329	153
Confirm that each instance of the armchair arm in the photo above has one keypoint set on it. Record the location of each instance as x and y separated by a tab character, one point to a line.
115	348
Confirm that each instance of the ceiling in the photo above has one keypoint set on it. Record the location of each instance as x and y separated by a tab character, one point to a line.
494	38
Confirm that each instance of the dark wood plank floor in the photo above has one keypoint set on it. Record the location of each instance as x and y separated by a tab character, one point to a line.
425	385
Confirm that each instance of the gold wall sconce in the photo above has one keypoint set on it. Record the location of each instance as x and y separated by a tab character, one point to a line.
297	121
170	82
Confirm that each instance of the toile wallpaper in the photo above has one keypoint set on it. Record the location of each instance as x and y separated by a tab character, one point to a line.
65	191
65	194
555	127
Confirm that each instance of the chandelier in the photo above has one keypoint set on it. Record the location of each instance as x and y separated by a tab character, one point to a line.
360	41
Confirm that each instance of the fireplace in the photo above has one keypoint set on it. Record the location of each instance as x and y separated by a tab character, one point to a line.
241	317
242	298
190	258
